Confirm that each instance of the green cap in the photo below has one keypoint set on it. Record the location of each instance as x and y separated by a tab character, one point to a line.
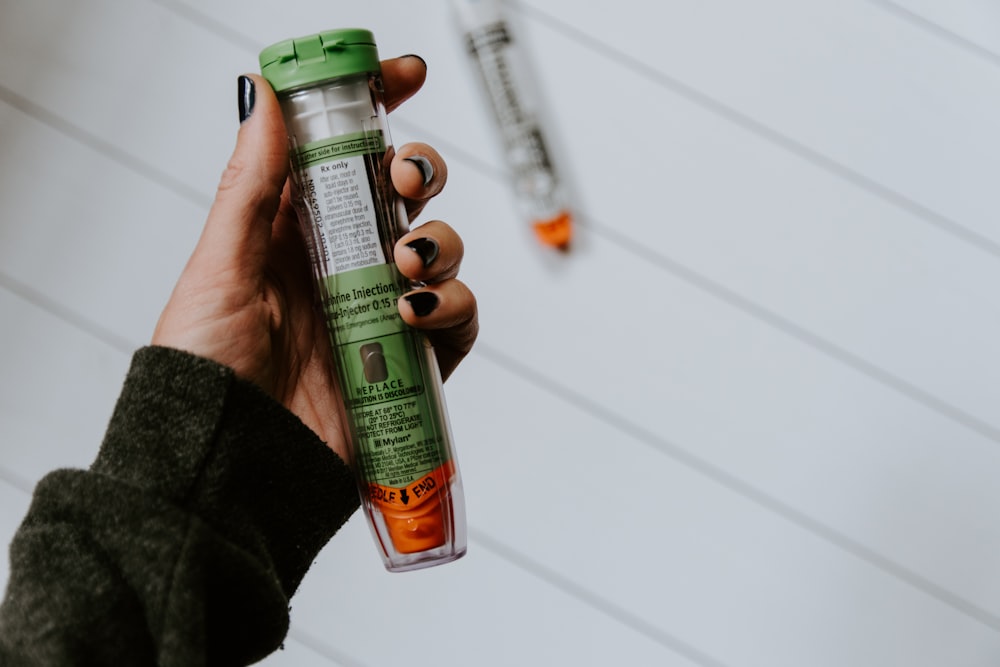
326	55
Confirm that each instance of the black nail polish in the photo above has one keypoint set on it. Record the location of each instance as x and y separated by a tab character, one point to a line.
426	249
414	55
424	165
423	303
247	97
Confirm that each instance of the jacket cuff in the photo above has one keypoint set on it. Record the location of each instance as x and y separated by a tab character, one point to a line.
190	431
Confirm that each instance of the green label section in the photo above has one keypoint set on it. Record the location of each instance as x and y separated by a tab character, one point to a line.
396	428
361	304
398	432
346	145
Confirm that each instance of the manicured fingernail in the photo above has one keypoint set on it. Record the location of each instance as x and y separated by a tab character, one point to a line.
414	55
247	96
424	165
426	249
423	303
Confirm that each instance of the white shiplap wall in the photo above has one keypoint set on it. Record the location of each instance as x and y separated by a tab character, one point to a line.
752	419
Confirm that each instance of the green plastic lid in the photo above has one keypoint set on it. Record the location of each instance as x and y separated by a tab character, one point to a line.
326	55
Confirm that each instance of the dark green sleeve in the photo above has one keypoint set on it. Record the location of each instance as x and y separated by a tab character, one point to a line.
186	538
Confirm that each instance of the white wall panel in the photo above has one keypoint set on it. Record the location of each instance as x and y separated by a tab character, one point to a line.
749	419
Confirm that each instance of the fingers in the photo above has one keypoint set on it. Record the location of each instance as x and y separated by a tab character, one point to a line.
418	173
448	314
401	78
238	228
431	253
445	308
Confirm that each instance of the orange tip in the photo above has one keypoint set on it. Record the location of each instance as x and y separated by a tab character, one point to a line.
557	231
419	529
415	516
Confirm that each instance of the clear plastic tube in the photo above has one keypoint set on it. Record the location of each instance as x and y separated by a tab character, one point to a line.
514	99
403	457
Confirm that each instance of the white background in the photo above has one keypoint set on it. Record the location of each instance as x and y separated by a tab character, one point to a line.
751	419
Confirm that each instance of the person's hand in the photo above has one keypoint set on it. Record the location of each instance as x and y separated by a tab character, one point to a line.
245	298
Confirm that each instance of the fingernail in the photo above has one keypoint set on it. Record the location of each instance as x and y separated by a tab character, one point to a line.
414	55
247	96
424	165
426	249
423	303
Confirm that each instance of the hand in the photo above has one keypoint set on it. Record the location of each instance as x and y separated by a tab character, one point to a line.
245	298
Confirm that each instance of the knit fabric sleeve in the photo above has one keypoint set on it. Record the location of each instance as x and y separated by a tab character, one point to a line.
184	541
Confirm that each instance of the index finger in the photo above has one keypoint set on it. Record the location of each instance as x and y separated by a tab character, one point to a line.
402	77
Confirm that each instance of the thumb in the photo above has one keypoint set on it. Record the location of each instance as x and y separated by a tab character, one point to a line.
238	229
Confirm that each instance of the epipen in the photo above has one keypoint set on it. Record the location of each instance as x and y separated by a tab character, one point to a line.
515	102
329	86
